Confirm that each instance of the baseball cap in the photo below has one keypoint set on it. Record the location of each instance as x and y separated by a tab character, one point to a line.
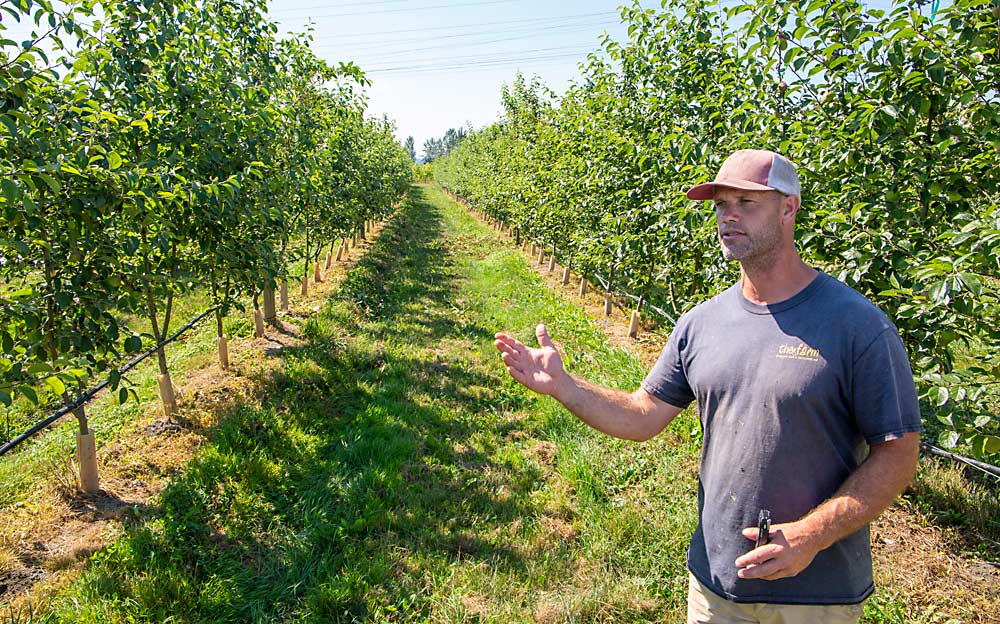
752	170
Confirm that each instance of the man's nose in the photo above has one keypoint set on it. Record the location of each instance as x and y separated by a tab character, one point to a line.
727	215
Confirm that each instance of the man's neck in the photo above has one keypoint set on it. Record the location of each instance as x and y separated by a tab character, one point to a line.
776	278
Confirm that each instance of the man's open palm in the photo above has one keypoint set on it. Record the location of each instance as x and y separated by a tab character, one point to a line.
538	369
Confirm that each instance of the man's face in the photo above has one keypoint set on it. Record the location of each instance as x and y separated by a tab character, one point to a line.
749	223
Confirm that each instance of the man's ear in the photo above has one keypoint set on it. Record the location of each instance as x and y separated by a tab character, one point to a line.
790	205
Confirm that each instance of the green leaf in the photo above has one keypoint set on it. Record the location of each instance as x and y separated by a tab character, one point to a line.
941	396
122	395
5	398
29	392
54	184
56	384
38	368
948	439
133	344
114	160
991	444
939	292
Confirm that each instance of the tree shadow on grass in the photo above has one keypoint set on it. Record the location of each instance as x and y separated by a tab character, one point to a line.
356	484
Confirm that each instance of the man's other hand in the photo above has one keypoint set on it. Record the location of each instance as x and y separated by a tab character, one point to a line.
538	369
788	552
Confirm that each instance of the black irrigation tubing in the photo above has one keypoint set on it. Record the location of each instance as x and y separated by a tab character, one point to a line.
646	303
84	398
978	465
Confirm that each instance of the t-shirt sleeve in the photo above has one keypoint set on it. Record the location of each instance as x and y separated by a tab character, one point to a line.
884	396
667	380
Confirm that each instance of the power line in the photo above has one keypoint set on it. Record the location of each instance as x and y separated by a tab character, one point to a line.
520	31
570	60
408	9
395	54
494	62
477	24
550	62
487	56
344	5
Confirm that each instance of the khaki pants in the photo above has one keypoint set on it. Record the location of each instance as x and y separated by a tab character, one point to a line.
705	607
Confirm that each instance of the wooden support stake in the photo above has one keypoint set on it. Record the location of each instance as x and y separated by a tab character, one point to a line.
223	353
284	296
86	459
329	260
633	325
270	313
552	263
258	322
541	257
317	275
167	397
607	303
583	286
565	279
340	252
304	290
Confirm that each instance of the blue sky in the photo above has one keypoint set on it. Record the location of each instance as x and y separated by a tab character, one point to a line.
439	64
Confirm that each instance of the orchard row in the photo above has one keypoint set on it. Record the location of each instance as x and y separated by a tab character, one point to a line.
152	147
892	116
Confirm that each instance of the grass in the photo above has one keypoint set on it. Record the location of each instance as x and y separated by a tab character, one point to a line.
44	457
395	473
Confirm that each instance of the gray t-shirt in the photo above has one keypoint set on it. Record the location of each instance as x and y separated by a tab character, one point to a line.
790	396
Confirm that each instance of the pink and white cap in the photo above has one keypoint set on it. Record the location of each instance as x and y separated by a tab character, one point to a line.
752	170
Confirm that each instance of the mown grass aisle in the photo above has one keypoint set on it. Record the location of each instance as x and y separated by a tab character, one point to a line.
397	474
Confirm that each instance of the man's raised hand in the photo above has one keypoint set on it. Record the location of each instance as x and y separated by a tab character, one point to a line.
538	369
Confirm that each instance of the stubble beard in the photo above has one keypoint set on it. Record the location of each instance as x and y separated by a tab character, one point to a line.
755	248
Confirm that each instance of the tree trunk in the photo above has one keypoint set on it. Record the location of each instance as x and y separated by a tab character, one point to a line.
270	310
223	346
607	293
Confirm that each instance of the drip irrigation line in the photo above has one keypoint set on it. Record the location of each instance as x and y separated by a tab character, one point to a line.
84	398
645	302
978	465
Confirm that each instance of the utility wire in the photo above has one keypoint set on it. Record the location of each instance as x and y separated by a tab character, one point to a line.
568	60
407	10
343	5
477	24
484	62
396	54
515	33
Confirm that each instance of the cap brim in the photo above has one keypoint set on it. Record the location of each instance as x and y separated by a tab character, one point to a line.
707	190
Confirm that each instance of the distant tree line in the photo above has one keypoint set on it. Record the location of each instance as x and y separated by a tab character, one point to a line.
436	148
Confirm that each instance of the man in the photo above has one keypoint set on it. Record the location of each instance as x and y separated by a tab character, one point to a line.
807	405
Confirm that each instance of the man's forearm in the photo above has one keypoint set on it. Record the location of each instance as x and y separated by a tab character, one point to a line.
866	493
631	416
